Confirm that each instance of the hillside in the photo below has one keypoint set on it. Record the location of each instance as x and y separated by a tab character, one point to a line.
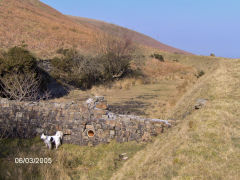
44	30
205	143
122	32
40	27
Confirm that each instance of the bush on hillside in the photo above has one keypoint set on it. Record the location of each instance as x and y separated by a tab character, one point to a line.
116	58
17	59
212	54
75	69
114	66
20	78
200	73
83	72
158	56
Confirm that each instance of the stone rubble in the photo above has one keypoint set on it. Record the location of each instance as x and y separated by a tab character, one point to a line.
200	103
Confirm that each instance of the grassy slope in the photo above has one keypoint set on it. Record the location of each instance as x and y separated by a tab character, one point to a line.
41	27
45	30
124	32
204	145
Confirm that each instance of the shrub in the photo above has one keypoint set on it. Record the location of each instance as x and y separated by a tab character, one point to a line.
20	86
115	56
81	71
114	66
200	73
20	78
64	51
75	69
88	72
17	59
212	54
158	56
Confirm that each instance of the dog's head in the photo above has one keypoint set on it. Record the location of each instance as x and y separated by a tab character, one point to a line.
43	137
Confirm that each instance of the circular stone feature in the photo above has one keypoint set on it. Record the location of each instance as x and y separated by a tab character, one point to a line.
90	133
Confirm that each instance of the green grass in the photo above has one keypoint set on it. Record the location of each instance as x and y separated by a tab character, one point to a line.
68	162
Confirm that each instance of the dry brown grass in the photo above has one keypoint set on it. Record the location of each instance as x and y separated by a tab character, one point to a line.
205	63
204	145
168	70
44	30
158	90
68	162
41	28
122	32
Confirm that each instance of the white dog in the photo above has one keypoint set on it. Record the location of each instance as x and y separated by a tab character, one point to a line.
50	140
59	134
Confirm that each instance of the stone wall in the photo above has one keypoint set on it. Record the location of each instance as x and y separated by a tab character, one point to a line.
82	124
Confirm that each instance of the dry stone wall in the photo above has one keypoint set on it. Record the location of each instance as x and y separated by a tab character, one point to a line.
82	124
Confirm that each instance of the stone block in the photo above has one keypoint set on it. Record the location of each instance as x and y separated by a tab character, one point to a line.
117	128
146	136
200	103
67	132
89	127
19	114
98	126
102	105
100	133
112	132
39	130
111	123
104	126
98	113
159	130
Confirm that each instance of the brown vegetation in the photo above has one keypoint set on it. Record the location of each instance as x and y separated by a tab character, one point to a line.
122	32
205	143
40	27
112	62
44	30
20	86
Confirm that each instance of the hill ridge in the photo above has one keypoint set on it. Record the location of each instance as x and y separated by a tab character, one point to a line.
45	30
148	41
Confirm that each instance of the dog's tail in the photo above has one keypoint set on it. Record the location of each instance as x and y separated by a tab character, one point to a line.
59	134
62	133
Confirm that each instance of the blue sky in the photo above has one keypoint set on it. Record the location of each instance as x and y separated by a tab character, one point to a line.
197	26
